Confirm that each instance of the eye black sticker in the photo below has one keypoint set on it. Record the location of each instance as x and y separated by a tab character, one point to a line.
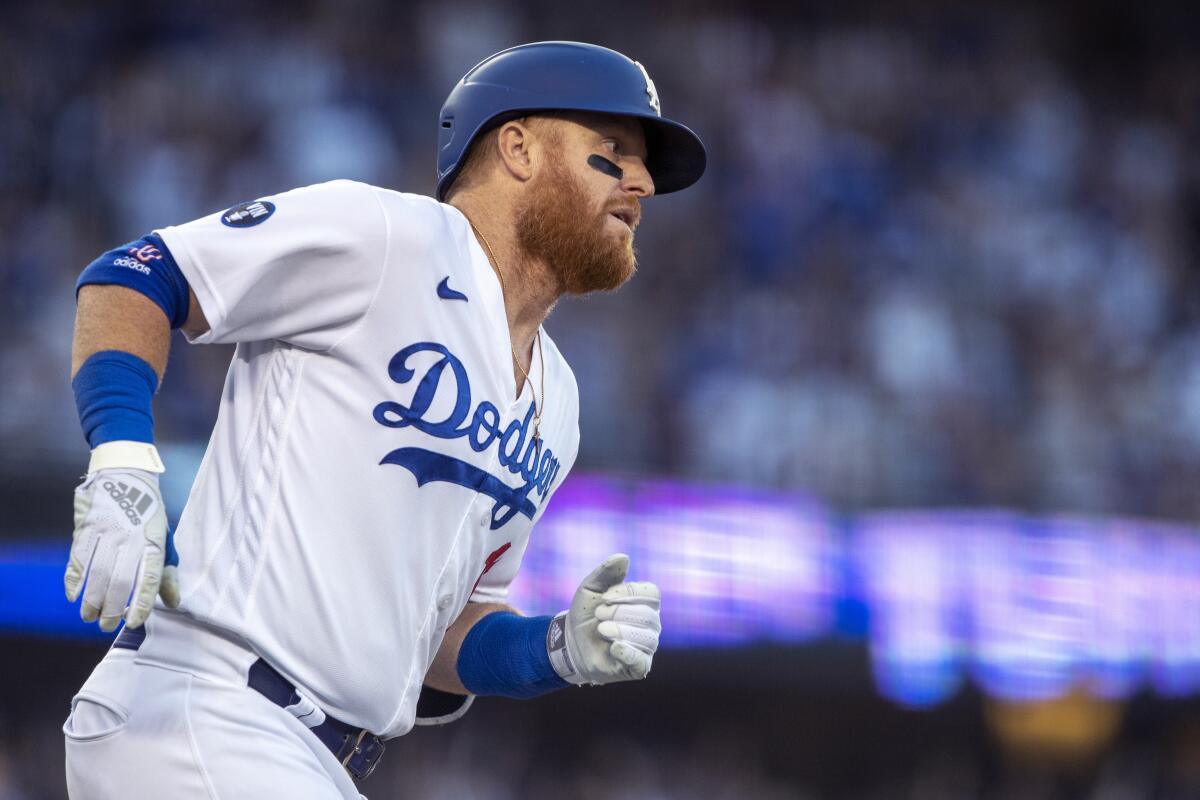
602	164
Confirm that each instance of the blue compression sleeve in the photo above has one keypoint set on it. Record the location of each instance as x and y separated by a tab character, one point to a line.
113	393
146	266
505	654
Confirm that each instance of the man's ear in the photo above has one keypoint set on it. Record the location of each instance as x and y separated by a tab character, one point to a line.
514	144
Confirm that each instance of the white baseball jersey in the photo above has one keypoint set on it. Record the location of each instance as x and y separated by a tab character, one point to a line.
373	465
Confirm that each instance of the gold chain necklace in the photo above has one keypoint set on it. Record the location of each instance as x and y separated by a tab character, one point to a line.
541	402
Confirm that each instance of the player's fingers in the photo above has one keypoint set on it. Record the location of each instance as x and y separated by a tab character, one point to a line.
120	586
643	592
99	574
145	587
611	571
169	588
83	545
637	663
644	639
644	616
83	548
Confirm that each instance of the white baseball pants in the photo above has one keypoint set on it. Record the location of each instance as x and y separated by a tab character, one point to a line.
175	719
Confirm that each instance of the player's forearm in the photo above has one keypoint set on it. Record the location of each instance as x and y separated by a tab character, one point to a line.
110	317
443	673
117	318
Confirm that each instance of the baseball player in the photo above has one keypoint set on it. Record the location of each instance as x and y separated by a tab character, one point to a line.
394	421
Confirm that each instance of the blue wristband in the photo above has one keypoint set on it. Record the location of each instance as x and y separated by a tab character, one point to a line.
146	266
505	654
113	394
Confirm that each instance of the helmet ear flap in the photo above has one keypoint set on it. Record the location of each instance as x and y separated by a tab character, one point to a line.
469	153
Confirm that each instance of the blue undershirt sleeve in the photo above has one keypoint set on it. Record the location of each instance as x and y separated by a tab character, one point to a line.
147	266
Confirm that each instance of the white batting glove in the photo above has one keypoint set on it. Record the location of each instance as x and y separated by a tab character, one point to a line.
610	632
120	539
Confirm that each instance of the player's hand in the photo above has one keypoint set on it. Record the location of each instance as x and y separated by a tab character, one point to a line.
120	548
610	632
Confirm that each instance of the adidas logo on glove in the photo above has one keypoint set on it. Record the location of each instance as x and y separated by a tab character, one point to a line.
134	502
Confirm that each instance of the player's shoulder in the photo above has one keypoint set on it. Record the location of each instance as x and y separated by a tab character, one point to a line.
339	208
343	190
416	219
415	206
339	216
345	196
337	193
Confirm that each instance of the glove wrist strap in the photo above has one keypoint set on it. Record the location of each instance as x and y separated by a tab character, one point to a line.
127	455
560	655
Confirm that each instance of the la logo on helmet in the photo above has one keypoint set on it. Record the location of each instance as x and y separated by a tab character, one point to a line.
651	92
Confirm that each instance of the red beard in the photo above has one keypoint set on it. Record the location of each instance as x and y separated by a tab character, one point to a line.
558	225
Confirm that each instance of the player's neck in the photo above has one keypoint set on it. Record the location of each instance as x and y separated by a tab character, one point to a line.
530	286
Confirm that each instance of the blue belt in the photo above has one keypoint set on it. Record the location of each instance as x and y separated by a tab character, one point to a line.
357	748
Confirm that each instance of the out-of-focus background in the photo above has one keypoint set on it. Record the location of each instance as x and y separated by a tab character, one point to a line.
902	410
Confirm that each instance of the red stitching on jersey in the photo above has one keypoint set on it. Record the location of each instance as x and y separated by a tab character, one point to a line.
491	562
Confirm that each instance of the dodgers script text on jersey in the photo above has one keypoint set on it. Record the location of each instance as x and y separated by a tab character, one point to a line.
518	450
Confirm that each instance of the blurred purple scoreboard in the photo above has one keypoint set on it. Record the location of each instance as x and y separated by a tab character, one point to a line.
734	566
1023	607
1027	608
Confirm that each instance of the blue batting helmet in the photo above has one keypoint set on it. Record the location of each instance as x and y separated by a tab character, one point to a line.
564	76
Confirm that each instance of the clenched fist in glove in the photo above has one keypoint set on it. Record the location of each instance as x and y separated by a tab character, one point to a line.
610	632
121	545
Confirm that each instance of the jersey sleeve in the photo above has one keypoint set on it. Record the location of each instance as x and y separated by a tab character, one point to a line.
300	267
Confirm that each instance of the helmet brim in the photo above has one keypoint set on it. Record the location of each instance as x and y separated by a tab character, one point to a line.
676	156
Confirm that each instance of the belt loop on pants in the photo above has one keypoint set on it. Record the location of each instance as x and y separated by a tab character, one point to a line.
357	749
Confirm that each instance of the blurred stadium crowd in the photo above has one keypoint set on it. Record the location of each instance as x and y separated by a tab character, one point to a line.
938	260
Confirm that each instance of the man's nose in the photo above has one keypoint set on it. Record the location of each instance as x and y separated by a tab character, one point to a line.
636	180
